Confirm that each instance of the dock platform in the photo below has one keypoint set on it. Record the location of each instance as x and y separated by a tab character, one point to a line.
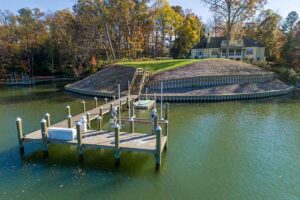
153	142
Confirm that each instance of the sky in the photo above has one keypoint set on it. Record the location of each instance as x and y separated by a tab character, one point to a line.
283	7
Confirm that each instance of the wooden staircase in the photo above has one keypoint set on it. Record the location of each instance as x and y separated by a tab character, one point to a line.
140	78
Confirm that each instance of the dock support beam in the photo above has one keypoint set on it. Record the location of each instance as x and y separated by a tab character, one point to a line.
117	144
20	135
83	106
79	141
158	147
44	132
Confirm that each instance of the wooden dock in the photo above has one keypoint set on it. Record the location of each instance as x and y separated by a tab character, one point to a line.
153	142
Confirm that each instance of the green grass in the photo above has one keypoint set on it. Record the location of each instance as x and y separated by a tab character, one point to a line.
160	65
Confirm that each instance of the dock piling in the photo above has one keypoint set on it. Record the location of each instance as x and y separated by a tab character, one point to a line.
106	101
83	106
88	118
117	144
158	147
96	102
20	135
48	120
79	141
68	108
99	123
44	137
69	118
131	122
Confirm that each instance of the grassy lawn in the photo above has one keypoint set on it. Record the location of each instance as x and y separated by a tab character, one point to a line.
160	65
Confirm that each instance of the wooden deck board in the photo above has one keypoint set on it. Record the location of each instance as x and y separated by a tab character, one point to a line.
36	135
138	142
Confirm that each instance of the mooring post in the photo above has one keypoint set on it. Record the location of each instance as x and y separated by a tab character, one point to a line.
117	144
99	123
131	122
158	147
88	118
68	108
20	135
105	100
132	108
44	137
96	102
48	120
166	128
114	97
111	107
154	120
120	105
79	141
83	106
127	102
69	118
101	112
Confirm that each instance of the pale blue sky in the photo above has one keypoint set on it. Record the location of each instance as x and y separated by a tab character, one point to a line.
283	7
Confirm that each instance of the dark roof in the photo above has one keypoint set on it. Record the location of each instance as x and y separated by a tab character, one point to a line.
215	42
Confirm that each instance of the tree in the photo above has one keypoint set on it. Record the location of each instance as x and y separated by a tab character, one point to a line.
232	12
288	28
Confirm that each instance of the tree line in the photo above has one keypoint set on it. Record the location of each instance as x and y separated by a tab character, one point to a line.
94	31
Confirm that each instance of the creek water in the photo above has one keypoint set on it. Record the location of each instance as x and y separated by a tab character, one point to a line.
233	150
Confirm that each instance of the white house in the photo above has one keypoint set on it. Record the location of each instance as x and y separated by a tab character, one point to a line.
241	49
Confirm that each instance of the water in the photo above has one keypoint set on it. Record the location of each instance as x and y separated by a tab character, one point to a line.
236	150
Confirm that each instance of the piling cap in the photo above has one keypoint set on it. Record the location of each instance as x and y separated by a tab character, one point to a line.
158	128
83	101
18	119
67	107
95	98
99	117
78	124
47	114
43	121
116	125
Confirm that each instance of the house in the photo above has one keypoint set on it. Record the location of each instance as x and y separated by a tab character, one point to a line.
241	49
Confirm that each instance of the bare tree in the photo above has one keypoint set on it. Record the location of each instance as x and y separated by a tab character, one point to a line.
232	12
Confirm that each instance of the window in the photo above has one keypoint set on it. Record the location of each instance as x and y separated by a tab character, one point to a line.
249	51
215	53
238	52
223	52
199	53
231	52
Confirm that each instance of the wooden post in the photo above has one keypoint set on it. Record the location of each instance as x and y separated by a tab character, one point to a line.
96	102
114	97
111	107
20	135
88	118
155	120
132	108
101	112
106	101
158	147
48	120
131	122
83	106
79	141
69	118
166	128
68	108
44	137
127	102
117	144
99	123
